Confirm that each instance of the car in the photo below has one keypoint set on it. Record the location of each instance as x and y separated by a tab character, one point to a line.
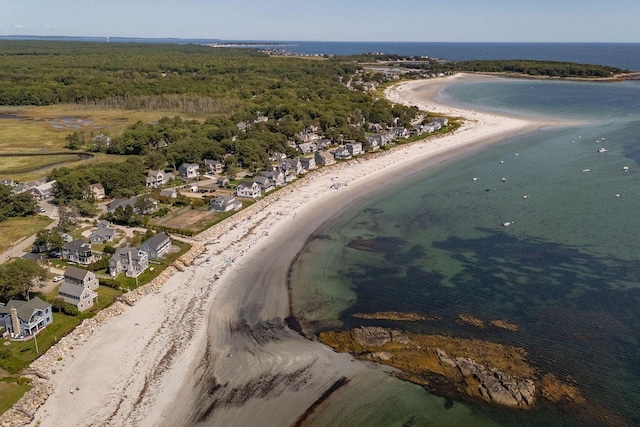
41	210
54	254
58	278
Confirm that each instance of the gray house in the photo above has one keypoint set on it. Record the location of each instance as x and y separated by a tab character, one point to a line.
189	170
25	318
156	246
132	261
225	204
78	288
102	235
78	251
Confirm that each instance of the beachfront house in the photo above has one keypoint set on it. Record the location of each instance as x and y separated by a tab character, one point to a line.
354	148
265	183
341	153
156	246
25	318
78	251
308	163
78	288
276	176
225	203
248	189
132	261
189	170
43	191
324	158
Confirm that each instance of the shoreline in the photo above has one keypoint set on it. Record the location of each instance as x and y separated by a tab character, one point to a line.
180	356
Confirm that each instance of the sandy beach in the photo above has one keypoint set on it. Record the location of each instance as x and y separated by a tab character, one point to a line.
211	346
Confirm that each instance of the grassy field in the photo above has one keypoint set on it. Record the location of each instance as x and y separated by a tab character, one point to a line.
13	230
44	129
18	354
10	394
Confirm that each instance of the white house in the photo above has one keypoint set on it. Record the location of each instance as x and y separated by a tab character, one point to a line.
308	163
341	153
78	288
354	148
155	178
248	189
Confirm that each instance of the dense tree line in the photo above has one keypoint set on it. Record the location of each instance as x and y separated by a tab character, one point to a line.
539	68
15	205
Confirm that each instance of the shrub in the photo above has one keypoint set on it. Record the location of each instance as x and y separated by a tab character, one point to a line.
109	283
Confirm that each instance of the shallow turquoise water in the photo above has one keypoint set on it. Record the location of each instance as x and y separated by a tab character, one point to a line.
566	270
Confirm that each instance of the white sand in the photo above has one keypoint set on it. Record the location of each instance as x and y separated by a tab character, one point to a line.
215	349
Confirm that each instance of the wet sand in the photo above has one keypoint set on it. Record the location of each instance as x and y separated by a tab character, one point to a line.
211	346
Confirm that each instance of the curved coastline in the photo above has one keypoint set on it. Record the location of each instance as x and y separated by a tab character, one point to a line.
211	347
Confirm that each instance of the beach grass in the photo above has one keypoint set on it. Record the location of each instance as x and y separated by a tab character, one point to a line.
13	230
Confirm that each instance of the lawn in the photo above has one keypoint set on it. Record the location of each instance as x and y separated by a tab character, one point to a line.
194	221
9	394
18	354
13	230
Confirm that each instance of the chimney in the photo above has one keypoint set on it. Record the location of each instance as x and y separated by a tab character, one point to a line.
15	322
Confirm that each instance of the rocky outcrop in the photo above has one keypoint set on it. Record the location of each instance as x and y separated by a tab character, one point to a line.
495	386
371	336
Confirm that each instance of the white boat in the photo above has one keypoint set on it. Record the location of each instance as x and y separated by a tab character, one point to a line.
526	196
602	150
506	223
475	178
625	168
503	179
586	170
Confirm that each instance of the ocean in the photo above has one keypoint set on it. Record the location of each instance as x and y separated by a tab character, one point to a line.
621	55
565	270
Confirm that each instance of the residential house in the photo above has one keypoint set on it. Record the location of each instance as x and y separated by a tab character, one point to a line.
102	140
103	224
156	246
308	163
276	176
102	235
170	193
278	157
78	251
78	288
341	153
223	181
43	191
97	191
307	147
248	189
225	203
265	183
147	208
132	261
324	158
292	166
374	142
307	136
189	170
354	148
155	178
78	295
213	166
25	318
324	143
8	182
82	277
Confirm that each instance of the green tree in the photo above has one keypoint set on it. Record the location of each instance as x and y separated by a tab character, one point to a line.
18	277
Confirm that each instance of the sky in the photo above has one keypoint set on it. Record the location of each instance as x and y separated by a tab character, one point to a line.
330	20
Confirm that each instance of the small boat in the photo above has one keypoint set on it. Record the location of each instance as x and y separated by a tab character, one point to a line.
586	170
506	223
475	178
503	179
526	196
602	150
625	168
501	161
